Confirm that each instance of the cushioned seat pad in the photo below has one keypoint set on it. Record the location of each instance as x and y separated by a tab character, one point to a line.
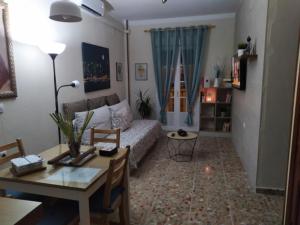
96	201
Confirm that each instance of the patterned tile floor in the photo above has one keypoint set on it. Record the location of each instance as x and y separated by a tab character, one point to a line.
212	189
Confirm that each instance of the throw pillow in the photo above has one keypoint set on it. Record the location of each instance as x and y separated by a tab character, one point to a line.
95	103
100	120
72	107
112	99
121	115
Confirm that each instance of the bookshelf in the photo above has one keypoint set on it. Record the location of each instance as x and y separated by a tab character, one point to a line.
215	110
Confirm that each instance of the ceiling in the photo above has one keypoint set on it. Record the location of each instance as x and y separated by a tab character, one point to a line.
154	9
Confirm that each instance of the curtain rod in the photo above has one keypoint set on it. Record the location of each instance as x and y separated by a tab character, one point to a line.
173	28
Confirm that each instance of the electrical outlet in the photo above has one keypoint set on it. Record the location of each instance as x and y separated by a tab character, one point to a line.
1	108
3	154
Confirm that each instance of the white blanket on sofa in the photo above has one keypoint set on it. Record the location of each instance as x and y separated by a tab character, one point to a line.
141	135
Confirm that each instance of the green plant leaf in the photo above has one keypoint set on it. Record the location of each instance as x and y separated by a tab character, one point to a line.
67	128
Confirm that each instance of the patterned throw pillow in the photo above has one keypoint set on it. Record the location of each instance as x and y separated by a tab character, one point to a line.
100	120
121	115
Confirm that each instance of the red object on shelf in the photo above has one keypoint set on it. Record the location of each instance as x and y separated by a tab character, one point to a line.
210	95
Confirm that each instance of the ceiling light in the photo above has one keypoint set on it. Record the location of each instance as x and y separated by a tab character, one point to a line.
65	11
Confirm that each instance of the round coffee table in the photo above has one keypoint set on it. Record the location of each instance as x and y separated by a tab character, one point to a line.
181	149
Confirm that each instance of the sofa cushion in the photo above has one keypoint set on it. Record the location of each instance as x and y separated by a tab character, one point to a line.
112	99
95	103
72	107
121	115
100	120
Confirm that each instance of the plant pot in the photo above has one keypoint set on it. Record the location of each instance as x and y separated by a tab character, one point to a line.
217	82
74	149
241	52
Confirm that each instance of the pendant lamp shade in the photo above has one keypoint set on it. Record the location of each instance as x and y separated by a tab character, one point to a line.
65	11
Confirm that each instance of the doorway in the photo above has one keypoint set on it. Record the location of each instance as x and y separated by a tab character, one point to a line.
177	104
292	209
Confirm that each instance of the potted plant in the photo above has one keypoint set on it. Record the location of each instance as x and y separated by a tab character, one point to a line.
143	105
219	70
72	135
242	48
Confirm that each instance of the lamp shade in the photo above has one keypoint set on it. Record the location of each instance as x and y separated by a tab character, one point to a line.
55	48
65	11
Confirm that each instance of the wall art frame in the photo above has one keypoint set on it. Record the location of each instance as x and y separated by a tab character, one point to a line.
141	71
96	67
8	87
119	71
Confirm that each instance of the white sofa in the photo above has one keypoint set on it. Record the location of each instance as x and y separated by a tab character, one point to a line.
140	136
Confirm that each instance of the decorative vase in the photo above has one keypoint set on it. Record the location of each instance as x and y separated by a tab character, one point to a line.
217	82
241	52
206	82
74	148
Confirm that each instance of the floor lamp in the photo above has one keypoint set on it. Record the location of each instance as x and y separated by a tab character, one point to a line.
53	50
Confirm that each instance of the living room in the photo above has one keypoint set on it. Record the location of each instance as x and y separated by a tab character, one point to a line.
233	177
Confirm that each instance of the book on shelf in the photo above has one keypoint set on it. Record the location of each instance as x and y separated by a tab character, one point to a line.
226	127
228	98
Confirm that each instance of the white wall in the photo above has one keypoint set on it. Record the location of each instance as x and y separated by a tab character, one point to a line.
251	20
279	81
27	116
220	47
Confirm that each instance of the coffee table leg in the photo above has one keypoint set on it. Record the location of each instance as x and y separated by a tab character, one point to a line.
168	144
181	146
194	147
172	148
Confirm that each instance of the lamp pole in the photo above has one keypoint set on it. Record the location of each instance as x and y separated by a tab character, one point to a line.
53	49
53	56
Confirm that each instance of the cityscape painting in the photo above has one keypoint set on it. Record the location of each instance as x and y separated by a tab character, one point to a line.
96	71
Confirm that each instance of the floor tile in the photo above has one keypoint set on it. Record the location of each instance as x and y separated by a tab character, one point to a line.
212	189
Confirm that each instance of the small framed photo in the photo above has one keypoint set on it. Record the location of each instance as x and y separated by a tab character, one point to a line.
119	71
141	71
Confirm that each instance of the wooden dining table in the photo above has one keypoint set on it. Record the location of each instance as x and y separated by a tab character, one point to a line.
19	212
73	183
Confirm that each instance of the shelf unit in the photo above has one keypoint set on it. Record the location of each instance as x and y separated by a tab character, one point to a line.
215	113
248	56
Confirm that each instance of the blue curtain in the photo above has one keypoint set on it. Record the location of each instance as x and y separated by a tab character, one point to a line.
192	48
165	49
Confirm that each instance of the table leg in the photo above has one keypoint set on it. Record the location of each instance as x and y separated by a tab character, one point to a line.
84	211
178	150
125	199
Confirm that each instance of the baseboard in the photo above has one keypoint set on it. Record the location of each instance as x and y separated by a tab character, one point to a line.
270	191
214	134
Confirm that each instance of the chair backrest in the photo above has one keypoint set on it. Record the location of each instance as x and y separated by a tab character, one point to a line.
18	144
115	140
115	176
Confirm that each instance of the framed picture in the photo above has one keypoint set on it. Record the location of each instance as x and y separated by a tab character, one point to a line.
119	71
239	72
8	86
141	71
96	67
